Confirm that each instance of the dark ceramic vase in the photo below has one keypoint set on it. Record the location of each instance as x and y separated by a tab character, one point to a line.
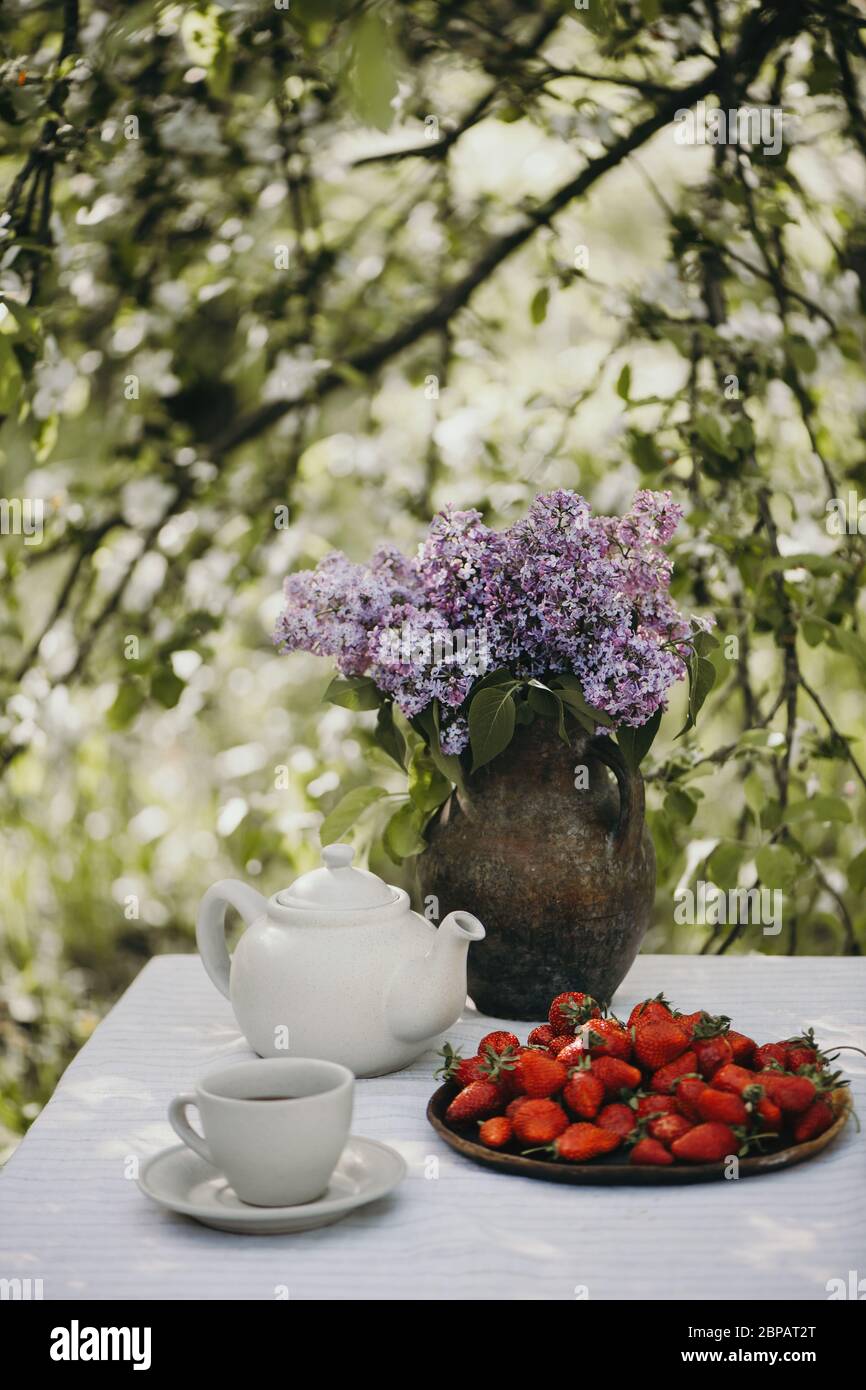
563	879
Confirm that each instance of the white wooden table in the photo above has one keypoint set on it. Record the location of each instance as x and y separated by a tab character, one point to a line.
71	1213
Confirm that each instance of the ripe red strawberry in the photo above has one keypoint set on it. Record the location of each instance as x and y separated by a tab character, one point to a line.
557	1044
730	1077
722	1106
513	1106
539	1122
501	1066
656	1044
573	1055
583	1141
584	1093
540	1036
655	1010
813	1121
615	1075
657	1105
689	1022
712	1053
459	1069
666	1076
803	1052
650	1152
668	1128
569	1010
499	1041
469	1069
766	1114
743	1048
617	1117
495	1132
706	1143
770	1052
606	1037
792	1094
475	1102
797	1057
537	1074
686	1092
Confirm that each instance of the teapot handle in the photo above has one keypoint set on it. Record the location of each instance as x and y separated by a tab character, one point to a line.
210	926
632	800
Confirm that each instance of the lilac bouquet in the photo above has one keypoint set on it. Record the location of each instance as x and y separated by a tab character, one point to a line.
563	615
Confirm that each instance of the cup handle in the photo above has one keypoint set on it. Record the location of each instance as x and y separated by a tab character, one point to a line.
184	1130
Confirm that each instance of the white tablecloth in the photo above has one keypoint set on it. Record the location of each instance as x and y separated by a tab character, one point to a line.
72	1215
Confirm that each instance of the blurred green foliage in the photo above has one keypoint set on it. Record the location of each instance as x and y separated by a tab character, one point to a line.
279	279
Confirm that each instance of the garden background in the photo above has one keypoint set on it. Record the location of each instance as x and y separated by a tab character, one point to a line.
283	278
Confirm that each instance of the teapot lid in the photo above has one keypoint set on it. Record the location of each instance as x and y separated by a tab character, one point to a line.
338	887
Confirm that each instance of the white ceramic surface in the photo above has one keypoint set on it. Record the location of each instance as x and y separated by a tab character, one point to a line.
183	1182
275	1153
338	966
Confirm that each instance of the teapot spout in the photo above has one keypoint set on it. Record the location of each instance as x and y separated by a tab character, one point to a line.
428	995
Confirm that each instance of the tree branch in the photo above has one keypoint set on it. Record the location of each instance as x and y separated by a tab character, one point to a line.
765	28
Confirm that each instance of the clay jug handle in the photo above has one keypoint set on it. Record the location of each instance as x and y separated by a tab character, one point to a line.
629	827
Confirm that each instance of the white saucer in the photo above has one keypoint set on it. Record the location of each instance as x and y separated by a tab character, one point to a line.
178	1179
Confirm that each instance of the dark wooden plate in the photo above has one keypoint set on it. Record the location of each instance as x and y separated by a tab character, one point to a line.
612	1169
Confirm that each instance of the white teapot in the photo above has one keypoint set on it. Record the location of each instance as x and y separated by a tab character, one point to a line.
337	966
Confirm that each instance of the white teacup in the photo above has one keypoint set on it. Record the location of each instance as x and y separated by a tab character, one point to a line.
274	1126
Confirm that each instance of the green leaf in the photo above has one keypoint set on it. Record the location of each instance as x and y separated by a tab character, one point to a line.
680	806
127	703
347	811
623	382
403	834
802	354
702	678
388	736
755	794
777	866
636	743
26	323
705	642
491	724
372	75
501	677
353	692
851	643
571	691
645	452
723	865
548	703
820	808
710	433
538	307
166	687
428	787
857	872
427	724
10	378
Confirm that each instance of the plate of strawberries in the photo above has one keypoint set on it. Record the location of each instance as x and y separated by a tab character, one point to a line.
664	1096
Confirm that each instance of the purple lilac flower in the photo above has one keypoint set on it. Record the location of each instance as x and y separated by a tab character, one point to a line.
560	591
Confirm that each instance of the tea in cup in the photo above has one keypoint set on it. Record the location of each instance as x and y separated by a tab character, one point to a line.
274	1126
